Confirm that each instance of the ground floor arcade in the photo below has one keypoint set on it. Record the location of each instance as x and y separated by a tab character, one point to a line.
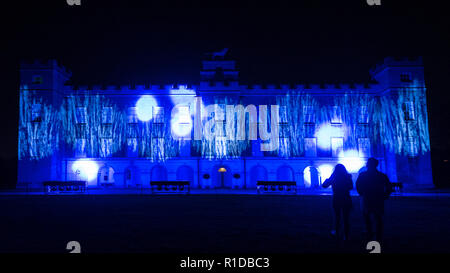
203	173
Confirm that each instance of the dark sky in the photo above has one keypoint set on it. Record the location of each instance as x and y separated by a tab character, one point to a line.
103	42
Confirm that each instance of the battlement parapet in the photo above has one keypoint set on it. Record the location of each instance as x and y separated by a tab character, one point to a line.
337	88
45	65
139	89
213	85
395	61
185	89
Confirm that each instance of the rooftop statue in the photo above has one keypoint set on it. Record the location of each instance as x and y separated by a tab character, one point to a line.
220	54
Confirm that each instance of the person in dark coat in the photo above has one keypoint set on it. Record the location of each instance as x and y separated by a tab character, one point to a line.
374	187
341	183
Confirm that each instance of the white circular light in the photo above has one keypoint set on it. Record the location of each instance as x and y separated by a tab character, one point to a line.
144	107
181	122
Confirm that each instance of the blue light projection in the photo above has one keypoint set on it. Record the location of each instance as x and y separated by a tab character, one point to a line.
181	122
144	107
387	125
324	134
326	170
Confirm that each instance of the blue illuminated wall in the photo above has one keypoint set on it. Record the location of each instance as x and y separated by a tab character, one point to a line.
125	136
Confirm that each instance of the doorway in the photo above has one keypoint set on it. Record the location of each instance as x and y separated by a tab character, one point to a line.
222	177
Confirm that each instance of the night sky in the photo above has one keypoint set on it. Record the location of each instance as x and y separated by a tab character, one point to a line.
316	41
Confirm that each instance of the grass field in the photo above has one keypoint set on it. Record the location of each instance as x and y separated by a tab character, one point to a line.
211	224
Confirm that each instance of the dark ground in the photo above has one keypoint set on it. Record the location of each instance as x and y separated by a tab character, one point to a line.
211	224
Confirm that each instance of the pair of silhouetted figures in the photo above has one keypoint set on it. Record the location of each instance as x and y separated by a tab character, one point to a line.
372	185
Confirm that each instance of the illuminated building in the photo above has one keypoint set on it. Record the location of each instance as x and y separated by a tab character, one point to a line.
130	135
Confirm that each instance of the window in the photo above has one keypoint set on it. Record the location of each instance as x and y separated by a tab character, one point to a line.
308	114
184	115
283	115
412	146
158	146
220	146
336	116
36	113
283	124
81	114
81	131
80	146
283	149
411	129
284	130
405	77
132	147
219	112
107	115
158	122
337	146
132	133
132	115
158	114
132	130
310	147
364	147
106	130
219	128
106	133
362	130
363	115
106	147
37	79
158	130
184	120
309	130
219	120
408	109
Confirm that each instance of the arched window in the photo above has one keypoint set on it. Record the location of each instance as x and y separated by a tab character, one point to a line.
106	176
285	173
257	173
311	177
159	173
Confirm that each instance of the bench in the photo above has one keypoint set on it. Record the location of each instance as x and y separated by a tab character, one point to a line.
56	187
277	187
170	187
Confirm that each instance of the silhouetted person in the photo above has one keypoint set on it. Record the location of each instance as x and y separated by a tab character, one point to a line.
374	187
341	183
